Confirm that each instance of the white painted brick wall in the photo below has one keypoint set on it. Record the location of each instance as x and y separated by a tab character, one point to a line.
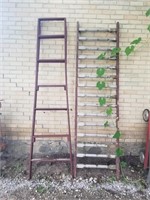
18	31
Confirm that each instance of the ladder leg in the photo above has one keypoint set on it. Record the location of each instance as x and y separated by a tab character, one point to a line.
35	100
30	162
117	101
67	99
76	104
71	158
32	139
69	137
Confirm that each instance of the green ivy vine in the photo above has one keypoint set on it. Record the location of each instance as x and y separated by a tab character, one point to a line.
102	100
102	84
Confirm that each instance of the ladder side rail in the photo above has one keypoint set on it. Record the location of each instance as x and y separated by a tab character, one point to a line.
67	98
76	104
35	98
117	100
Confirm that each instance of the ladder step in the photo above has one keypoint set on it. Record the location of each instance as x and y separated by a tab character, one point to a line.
97	39
52	19
94	48
81	124
52	135
50	160
93	86
49	109
51	36
97	96
83	57
91	145
81	66
81	155
94	115
95	135
95	76
96	105
96	166
51	60
96	30
64	86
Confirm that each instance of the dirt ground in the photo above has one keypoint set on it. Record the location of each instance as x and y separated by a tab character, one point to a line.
53	182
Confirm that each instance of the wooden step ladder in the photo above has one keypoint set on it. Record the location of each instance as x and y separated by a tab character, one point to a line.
90	131
38	86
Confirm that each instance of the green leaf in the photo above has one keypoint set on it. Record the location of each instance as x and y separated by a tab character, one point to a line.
102	101
136	41
117	135
100	72
123	164
115	51
100	85
147	12
129	50
101	56
148	28
119	152
106	124
109	111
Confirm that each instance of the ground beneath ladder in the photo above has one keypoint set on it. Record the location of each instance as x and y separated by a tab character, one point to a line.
53	182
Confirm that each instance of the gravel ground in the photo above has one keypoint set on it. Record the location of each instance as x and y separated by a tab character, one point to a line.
18	189
49	183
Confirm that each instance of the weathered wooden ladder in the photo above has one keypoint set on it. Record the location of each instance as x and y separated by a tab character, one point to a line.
94	143
49	108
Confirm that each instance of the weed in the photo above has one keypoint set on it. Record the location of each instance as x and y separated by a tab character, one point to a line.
41	189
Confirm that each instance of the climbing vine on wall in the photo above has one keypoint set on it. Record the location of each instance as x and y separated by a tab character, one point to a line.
102	84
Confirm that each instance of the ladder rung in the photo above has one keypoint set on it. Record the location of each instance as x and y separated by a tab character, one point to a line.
94	115
52	135
97	39
95	76
52	19
51	36
51	60
93	95
95	135
64	86
94	48
81	155
81	66
49	109
96	105
93	86
50	160
97	30
81	124
96	166
91	145
82	57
